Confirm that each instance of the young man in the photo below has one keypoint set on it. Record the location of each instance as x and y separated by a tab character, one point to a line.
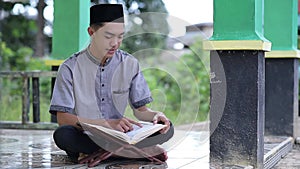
95	86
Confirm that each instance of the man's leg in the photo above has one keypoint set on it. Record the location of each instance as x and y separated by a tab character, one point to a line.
148	148
74	141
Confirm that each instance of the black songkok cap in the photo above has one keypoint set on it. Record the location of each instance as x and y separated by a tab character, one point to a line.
106	13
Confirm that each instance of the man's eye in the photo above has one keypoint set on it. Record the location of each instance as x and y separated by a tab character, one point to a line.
108	37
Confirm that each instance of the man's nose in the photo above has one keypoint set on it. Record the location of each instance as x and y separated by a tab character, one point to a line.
114	41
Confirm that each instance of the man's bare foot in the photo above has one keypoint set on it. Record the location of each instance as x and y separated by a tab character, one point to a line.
95	158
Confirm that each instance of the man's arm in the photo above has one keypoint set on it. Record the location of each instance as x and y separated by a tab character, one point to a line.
123	124
146	114
67	119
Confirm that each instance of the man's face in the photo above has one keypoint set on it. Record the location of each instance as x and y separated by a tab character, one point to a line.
108	39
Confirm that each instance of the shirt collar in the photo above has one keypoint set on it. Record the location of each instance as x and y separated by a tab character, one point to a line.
92	58
96	60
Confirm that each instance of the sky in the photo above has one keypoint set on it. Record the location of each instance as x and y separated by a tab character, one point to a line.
187	12
192	11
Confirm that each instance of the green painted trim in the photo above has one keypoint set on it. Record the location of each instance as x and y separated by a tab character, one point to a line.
54	62
84	21
281	28
283	54
237	45
238	20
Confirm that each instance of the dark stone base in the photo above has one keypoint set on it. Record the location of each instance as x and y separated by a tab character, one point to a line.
281	96
237	127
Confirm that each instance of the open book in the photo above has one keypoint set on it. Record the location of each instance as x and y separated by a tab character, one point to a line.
131	137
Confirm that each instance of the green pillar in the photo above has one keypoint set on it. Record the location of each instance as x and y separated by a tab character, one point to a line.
238	20
237	88
71	20
281	28
238	25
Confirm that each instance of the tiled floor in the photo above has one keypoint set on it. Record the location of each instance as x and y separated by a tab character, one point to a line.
190	150
36	149
186	150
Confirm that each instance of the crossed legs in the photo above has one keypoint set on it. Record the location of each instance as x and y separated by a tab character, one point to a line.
75	141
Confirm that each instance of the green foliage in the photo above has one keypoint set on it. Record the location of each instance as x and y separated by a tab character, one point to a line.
198	63
165	91
45	82
18	31
11	94
6	6
147	28
181	88
11	88
5	54
11	106
17	41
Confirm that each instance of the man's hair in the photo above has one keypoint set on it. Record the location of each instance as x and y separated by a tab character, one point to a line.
97	25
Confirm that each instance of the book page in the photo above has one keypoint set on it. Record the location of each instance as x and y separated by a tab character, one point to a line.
140	133
131	137
147	127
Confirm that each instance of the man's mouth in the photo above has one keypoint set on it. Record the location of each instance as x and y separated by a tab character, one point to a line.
111	51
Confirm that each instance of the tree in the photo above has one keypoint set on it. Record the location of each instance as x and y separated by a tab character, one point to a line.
16	39
40	36
19	30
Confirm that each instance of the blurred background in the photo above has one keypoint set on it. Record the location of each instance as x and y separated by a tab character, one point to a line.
26	30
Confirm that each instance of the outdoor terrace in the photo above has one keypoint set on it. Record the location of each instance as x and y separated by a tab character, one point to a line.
188	149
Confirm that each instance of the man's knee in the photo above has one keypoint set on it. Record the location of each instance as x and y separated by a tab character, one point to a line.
62	134
170	132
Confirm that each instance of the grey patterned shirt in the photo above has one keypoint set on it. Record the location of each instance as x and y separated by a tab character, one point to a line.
85	88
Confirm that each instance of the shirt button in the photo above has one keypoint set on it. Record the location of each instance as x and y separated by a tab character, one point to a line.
102	70
102	99
102	85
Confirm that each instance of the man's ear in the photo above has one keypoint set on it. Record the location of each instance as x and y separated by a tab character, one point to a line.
90	31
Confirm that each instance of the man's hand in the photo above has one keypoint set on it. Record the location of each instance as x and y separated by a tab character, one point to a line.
146	114
124	124
161	118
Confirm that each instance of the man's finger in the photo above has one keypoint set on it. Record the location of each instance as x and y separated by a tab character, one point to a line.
120	128
126	125
134	122
125	128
